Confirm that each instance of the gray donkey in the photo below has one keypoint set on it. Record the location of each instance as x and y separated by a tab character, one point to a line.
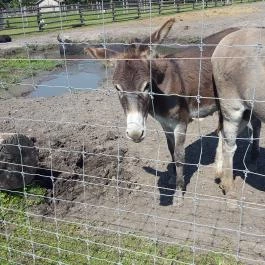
239	73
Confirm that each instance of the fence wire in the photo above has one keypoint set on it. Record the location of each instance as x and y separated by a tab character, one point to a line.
96	197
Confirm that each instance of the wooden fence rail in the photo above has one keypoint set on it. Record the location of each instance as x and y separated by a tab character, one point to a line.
34	19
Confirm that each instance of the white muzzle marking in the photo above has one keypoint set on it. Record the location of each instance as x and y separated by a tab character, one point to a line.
135	126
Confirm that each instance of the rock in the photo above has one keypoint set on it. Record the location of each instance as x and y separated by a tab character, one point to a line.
111	136
5	38
18	161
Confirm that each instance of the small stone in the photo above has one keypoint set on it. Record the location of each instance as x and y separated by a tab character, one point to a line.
111	136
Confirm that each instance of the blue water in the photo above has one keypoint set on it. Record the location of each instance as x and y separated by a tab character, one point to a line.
81	75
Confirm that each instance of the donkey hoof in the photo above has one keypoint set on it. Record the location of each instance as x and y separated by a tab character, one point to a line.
178	202
226	186
178	199
223	188
180	184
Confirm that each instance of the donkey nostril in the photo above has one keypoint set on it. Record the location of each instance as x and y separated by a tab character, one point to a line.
142	134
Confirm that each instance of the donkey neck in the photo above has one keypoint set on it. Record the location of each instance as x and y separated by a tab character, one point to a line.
175	87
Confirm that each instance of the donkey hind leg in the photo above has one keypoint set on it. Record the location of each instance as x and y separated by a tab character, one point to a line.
255	132
226	149
219	156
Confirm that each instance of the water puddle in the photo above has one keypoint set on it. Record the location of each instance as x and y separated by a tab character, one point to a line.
81	75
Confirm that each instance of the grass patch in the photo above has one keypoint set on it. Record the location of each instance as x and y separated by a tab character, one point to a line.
25	239
13	70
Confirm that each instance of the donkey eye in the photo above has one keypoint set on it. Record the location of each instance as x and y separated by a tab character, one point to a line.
147	87
118	88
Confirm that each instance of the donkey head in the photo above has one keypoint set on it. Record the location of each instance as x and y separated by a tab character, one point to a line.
132	79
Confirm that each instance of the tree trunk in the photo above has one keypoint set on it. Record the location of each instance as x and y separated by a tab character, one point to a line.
18	160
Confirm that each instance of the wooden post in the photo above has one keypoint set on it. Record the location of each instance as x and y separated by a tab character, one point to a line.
39	19
2	21
113	11
80	14
18	160
178	8
159	7
138	8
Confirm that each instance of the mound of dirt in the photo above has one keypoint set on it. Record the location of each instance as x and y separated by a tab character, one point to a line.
83	176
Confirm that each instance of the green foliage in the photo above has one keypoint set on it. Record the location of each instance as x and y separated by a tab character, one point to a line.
14	70
15	3
52	241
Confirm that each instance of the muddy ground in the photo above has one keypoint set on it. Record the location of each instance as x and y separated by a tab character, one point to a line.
104	179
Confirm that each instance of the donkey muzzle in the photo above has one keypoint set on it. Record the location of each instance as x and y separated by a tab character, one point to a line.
135	132
135	126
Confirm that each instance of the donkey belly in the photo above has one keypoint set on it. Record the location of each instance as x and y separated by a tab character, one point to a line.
203	111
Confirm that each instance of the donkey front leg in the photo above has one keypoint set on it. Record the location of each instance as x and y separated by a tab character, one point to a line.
179	153
171	147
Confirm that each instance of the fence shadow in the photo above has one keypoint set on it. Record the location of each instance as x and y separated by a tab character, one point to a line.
207	148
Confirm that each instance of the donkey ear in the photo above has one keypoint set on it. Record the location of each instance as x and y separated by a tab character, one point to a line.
101	53
159	35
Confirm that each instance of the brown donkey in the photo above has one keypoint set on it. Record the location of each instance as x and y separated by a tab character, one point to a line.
173	89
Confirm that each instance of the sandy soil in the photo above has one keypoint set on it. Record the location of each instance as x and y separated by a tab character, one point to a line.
106	180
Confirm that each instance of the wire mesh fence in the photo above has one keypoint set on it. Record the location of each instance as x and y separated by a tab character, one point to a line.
76	190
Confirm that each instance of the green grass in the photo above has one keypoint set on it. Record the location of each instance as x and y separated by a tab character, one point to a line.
23	235
14	70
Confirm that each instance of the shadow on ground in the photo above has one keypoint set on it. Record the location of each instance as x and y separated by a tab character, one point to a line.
206	148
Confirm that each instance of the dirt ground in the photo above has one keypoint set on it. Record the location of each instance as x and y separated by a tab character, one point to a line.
111	183
189	26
